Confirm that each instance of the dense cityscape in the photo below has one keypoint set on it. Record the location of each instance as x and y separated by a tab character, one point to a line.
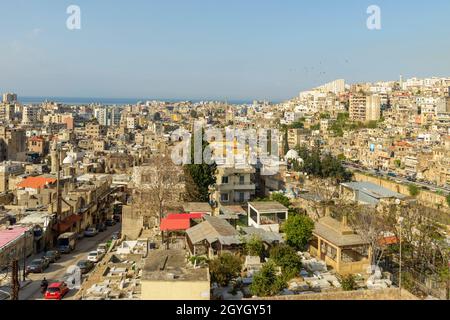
342	192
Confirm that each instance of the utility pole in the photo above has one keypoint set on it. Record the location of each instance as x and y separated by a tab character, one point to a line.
15	284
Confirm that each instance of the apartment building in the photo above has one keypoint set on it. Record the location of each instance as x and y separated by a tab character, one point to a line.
365	108
233	185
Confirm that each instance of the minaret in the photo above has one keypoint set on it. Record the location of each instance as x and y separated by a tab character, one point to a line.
54	158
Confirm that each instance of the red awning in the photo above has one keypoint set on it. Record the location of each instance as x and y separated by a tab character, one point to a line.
175	224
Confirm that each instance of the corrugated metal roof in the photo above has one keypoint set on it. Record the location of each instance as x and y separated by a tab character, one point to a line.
9	235
211	229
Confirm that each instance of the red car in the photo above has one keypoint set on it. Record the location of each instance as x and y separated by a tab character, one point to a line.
56	291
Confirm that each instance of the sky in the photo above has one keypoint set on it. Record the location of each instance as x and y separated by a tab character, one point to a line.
211	49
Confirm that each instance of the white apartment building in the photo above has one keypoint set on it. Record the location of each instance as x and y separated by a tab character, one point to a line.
29	115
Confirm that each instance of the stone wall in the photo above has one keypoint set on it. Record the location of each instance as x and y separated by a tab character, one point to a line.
382	294
425	197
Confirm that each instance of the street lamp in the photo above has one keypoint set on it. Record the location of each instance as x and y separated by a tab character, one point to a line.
400	221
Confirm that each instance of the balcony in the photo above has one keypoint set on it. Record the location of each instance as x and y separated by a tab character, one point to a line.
236	187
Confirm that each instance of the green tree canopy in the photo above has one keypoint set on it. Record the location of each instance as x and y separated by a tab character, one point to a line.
413	190
266	282
287	258
225	268
254	246
298	229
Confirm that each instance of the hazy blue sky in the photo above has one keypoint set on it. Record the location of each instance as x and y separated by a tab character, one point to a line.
235	49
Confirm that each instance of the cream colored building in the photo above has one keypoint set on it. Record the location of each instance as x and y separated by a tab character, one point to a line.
168	276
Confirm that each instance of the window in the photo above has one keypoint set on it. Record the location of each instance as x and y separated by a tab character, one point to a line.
241	180
224	180
224	197
241	197
253	215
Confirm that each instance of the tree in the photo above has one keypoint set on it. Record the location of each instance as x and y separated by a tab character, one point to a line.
157	116
254	246
370	225
281	198
266	282
286	257
448	200
160	187
199	176
194	114
225	268
413	190
298	230
348	283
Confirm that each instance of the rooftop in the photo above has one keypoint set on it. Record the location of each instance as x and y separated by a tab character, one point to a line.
9	235
212	229
36	182
337	233
369	190
171	265
268	206
203	207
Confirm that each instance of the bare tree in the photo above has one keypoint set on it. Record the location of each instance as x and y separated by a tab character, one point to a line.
159	187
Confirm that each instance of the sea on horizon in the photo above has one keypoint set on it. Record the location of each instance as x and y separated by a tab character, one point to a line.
111	101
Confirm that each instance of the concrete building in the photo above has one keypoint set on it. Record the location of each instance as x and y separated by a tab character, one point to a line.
9	97
267	215
233	185
29	115
12	144
340	247
373	108
167	275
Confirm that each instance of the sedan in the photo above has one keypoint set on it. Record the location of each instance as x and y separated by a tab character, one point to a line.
90	232
37	266
110	222
52	256
85	266
95	256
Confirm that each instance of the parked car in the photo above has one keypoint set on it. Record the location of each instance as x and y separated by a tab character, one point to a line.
102	248
85	266
90	232
116	235
37	266
101	227
95	256
56	291
110	222
52	255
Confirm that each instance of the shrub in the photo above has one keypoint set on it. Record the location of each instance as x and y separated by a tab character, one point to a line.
266	282
225	268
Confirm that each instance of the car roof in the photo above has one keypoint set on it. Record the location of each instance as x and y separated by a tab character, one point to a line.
93	252
56	285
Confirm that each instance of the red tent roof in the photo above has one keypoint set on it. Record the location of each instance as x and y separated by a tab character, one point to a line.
177	216
175	224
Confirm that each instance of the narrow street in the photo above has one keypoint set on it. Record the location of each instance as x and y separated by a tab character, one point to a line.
56	271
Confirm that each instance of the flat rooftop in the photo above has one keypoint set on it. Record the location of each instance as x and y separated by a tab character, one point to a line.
171	265
268	206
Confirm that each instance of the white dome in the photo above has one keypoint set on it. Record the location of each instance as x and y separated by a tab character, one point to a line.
292	154
69	160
